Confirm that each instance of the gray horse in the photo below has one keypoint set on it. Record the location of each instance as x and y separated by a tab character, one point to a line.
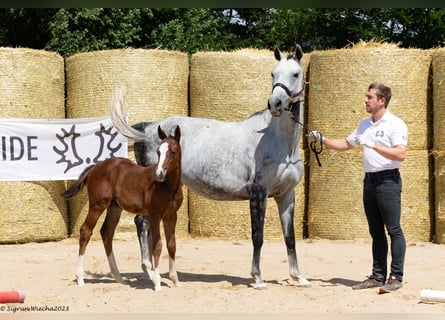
253	159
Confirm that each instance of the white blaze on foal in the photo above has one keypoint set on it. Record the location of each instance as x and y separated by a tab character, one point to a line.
160	170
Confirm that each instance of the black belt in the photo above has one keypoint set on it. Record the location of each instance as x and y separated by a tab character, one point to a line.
381	174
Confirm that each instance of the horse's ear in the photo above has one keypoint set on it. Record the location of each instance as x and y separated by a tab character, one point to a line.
277	53
177	133
298	52
161	133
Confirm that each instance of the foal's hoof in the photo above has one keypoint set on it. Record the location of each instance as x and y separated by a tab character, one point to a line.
120	279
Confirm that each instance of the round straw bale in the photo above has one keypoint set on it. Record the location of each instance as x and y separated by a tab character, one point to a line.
335	206
231	86
339	80
32	86
156	83
417	199
439	99
439	192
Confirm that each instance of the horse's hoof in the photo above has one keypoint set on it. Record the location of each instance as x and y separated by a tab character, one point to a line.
80	283
302	282
260	286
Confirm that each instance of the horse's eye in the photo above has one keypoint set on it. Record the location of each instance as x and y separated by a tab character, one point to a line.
296	75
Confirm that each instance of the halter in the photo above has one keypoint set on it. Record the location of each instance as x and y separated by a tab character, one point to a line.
295	100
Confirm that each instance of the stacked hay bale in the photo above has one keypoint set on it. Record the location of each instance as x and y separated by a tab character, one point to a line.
32	86
156	83
439	142
338	82
231	86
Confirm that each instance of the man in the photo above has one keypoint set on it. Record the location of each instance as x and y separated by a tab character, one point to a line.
384	139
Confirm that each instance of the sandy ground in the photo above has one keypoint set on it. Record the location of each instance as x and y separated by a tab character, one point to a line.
215	277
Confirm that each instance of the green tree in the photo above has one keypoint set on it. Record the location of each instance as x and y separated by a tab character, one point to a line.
195	29
89	29
25	27
72	30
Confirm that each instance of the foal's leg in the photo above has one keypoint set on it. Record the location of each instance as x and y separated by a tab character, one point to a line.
86	230
170	238
155	221
286	204
144	237
258	198
107	232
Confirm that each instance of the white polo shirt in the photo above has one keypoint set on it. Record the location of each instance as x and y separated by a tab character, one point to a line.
390	131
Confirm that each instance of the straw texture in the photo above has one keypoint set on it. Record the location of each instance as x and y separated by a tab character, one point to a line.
335	208
439	185
338	81
231	86
156	83
32	86
439	98
439	141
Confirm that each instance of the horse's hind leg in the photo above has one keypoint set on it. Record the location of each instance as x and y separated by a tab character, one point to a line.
107	232
258	198
86	230
170	238
286	205
145	244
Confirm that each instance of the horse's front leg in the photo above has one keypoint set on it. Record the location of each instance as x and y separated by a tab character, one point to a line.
170	238
145	244
286	204
257	201
156	249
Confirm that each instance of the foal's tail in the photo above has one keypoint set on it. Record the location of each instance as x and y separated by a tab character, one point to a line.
78	185
118	117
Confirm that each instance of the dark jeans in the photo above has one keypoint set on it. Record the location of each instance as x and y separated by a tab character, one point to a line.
382	202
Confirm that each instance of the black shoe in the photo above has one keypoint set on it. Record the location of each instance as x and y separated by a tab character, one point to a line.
368	283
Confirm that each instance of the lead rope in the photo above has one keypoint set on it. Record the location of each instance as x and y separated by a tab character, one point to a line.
313	146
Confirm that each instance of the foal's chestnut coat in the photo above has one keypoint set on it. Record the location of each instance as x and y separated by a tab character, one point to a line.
154	191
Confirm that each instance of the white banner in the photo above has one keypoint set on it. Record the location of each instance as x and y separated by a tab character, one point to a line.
56	149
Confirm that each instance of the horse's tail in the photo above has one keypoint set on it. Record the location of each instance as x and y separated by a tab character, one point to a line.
78	185
118	117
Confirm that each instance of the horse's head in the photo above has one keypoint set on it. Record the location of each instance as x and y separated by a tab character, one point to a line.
169	155
287	82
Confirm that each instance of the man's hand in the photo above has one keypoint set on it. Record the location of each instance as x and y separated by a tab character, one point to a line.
315	136
364	141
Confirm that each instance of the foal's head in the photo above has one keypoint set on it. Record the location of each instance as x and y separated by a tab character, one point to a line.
169	155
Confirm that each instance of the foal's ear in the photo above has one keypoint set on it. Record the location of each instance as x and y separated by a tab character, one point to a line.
177	133
161	133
